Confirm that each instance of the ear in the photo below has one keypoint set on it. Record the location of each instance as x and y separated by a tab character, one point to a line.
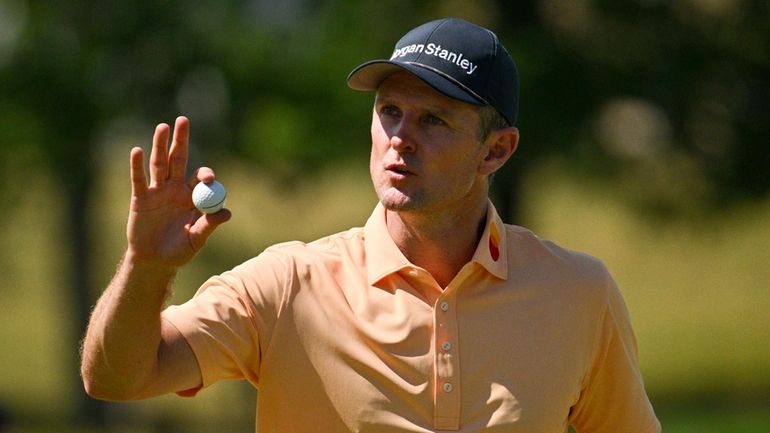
500	145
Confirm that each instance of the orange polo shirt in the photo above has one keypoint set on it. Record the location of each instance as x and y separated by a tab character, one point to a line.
345	334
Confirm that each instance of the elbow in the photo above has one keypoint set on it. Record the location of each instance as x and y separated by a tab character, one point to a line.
98	391
100	388
93	389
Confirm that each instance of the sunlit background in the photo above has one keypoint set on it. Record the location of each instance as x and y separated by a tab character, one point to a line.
645	141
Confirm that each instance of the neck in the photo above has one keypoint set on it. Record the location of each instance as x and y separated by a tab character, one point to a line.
441	244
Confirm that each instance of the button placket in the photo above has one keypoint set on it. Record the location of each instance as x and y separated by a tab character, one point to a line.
446	380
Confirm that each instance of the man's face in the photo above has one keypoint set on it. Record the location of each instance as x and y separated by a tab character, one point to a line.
425	148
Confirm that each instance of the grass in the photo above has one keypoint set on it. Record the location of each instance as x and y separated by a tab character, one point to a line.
697	292
699	419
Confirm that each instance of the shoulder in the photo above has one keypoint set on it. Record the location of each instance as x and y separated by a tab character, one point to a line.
526	245
298	254
547	262
327	245
287	265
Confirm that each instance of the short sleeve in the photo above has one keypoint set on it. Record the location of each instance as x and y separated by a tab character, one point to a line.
613	398
229	321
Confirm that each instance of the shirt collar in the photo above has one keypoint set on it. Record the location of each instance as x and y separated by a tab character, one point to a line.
384	258
382	255
492	253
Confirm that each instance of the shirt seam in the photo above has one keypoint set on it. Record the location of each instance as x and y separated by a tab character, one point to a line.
598	353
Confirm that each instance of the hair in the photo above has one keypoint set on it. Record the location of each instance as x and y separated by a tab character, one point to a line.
490	120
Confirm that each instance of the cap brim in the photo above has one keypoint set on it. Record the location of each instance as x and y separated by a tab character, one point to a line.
369	76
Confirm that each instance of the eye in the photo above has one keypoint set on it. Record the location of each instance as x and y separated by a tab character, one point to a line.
431	119
390	110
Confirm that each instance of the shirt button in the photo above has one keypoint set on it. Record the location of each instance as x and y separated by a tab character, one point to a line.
447	346
444	306
448	387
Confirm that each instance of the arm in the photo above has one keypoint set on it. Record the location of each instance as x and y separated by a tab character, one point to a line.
614	398
128	352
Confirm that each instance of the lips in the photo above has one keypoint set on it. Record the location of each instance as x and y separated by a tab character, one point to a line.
399	169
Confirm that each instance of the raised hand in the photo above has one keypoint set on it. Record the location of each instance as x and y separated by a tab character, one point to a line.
164	228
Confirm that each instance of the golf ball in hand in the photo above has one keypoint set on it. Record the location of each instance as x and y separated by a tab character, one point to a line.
209	197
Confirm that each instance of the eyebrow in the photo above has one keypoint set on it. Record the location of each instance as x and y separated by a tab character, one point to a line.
431	108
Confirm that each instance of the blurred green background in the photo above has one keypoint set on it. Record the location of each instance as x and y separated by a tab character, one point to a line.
645	141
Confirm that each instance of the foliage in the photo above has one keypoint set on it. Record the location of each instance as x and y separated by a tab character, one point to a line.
667	99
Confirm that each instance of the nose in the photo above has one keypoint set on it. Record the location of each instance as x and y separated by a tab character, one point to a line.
401	138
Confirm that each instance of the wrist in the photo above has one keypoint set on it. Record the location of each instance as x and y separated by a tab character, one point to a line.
134	262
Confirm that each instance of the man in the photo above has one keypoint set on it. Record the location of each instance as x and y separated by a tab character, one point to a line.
433	316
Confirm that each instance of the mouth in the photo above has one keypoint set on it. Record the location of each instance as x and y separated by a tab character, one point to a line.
399	169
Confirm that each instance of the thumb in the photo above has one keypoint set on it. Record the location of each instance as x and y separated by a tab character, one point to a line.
205	225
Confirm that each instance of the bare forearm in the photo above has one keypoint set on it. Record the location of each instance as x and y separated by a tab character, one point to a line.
120	350
128	352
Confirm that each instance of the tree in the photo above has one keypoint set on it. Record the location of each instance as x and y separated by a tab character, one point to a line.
668	98
665	98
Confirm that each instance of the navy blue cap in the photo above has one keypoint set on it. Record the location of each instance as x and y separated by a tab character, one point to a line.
459	59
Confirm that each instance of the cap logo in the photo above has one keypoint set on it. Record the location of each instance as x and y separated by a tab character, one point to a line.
459	59
435	50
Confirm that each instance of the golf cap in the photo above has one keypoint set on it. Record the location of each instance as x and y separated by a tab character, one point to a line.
459	59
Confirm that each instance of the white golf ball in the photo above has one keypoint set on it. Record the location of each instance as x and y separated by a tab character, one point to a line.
209	197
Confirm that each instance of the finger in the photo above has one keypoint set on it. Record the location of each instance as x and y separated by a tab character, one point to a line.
205	226
159	155
138	176
177	159
203	174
